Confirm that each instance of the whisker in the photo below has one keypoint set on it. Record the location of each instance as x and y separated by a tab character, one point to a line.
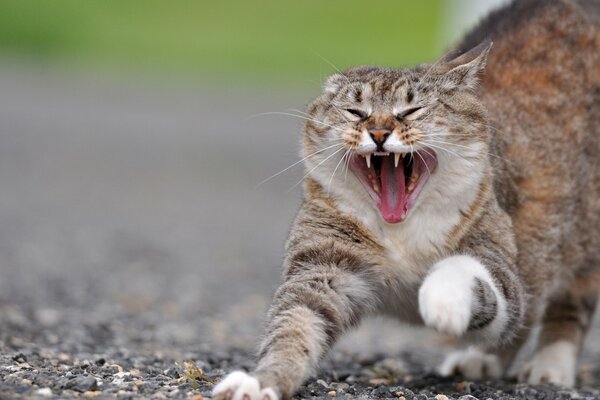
336	69
450	152
426	166
426	150
347	166
296	163
336	108
297	116
335	170
318	165
435	64
466	147
450	134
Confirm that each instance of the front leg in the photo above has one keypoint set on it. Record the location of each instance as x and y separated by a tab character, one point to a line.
310	310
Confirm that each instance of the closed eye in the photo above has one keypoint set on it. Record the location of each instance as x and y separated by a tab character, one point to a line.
407	112
358	113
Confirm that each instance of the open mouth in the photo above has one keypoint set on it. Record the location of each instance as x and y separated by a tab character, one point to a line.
394	180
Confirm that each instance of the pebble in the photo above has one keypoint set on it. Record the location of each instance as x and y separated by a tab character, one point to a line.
340	386
379	381
381	391
331	393
82	384
323	383
45	392
441	397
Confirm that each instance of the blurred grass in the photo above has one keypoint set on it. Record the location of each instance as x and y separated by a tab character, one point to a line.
266	40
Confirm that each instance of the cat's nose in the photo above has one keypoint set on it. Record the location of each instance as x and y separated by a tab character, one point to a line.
379	136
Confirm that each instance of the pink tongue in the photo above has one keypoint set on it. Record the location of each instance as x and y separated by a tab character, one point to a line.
393	191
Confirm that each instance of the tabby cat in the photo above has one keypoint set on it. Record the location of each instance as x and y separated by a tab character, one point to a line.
463	195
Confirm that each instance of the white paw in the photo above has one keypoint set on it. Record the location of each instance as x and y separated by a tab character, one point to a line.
555	363
471	363
239	385
446	297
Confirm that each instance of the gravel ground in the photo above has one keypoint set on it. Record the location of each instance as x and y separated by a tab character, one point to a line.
137	255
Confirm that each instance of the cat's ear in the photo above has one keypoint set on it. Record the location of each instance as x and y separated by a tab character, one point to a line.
465	69
334	83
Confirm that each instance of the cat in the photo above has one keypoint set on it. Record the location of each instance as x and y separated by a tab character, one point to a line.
463	195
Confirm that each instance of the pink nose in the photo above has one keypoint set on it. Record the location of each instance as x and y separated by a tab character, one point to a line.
379	135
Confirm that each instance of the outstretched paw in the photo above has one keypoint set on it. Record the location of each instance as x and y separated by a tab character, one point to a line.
471	363
555	363
239	385
459	295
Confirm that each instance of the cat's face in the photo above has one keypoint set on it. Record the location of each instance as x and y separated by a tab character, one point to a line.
394	130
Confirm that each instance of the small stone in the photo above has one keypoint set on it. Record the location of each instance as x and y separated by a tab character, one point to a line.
20	358
379	381
341	386
323	383
381	391
26	382
441	397
44	392
332	393
117	366
467	397
91	394
171	372
401	398
198	397
82	384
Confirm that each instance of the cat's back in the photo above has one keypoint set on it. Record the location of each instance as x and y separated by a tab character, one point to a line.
542	88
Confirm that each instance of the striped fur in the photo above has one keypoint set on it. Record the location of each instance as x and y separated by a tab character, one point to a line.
504	235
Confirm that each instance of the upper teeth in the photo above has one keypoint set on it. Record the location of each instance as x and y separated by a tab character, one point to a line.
397	157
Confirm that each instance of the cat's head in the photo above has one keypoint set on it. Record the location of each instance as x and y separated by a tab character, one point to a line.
397	131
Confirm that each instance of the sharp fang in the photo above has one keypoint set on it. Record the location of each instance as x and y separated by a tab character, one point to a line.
396	159
368	159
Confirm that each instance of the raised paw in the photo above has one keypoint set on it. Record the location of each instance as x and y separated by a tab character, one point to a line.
239	385
459	295
555	363
472	363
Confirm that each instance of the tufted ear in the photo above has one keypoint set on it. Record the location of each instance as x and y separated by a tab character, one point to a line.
465	69
334	82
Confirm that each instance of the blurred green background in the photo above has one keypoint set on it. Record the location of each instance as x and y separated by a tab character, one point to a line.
220	41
